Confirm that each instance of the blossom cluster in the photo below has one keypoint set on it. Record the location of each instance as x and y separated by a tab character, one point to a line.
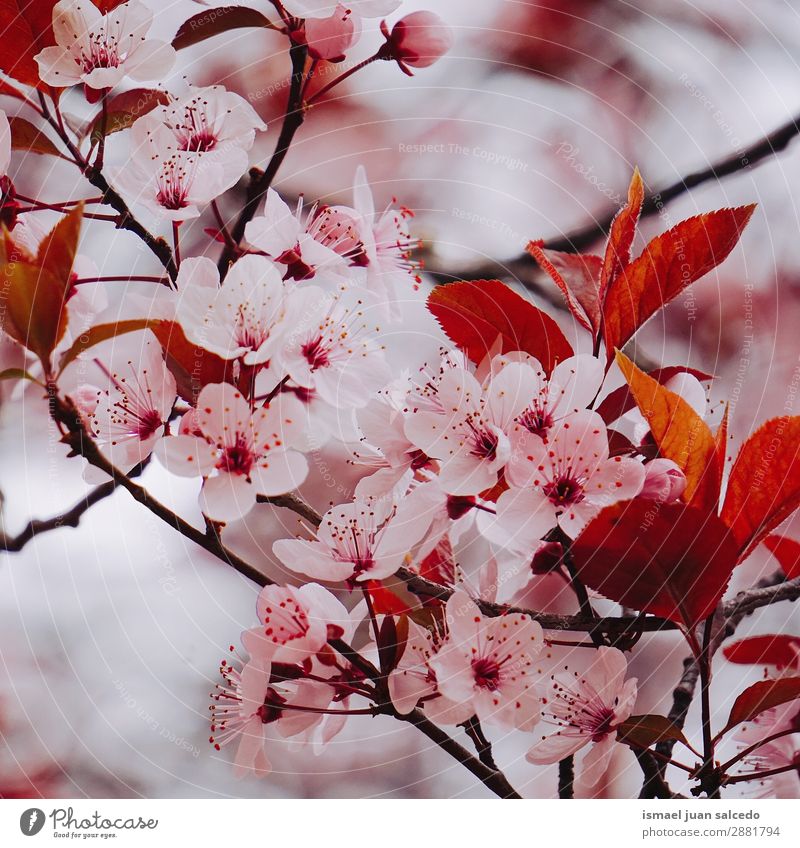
505	460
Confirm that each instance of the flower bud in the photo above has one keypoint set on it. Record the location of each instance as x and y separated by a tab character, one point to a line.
416	41
664	481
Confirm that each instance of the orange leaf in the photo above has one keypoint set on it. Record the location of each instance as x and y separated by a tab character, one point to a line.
680	433
578	277
669	263
787	552
764	483
620	237
672	560
26	27
476	315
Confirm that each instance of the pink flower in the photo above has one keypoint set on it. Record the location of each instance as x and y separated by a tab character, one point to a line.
387	246
363	540
100	50
470	433
776	754
295	623
488	663
171	184
128	413
217	125
586	708
414	680
571	387
242	319
331	350
325	8
306	244
240	453
416	41
331	37
663	482
566	481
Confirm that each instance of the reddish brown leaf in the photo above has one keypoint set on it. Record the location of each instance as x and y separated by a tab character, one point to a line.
787	552
779	650
669	263
124	109
761	696
621	400
26	27
620	238
680	433
25	136
672	560
643	731
483	316
213	22
106	6
578	277
764	483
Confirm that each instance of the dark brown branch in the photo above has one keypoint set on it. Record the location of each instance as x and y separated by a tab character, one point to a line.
69	518
525	270
566	777
292	121
483	746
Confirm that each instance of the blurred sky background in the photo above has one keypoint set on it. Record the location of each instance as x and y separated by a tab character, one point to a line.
110	634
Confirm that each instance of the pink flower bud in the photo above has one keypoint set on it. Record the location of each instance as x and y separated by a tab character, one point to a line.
664	481
330	38
417	40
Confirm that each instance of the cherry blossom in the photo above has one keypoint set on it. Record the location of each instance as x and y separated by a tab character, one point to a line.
470	433
775	754
331	350
363	540
240	453
586	708
571	387
127	414
331	37
100	50
414	680
217	125
488	663
306	243
242	319
417	41
566	481
387	246
295	623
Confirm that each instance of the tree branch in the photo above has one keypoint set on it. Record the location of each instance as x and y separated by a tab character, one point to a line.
524	269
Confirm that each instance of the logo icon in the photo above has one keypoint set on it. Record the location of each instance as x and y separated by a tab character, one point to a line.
31	821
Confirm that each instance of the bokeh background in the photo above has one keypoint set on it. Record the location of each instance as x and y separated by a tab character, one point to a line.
111	633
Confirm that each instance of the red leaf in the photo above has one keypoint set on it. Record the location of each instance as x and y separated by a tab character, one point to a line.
779	650
762	696
672	560
440	565
25	136
476	315
106	6
621	400
764	483
787	552
578	277
384	600
620	238
669	263
645	730
680	433
26	27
